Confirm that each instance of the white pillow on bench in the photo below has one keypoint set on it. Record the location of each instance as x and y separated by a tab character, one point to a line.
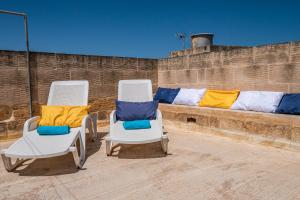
260	101
189	97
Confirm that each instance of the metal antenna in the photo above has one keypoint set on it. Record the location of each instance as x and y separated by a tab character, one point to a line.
182	37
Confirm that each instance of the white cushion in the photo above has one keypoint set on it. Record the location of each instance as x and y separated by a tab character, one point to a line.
260	101
189	96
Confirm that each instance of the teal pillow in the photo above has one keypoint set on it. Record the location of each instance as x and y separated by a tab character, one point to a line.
53	130
136	124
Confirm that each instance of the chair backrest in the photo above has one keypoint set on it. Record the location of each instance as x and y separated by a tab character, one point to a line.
69	93
135	90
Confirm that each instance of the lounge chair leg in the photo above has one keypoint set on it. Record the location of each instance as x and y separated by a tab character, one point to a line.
108	147
164	143
90	126
75	156
79	160
9	166
94	123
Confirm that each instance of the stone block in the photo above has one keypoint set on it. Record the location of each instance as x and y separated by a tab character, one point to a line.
295	134
186	76
162	64
294	88
288	73
200	61
214	122
223	75
251	74
3	130
201	75
272	54
295	52
232	124
146	64
176	63
112	77
5	112
167	77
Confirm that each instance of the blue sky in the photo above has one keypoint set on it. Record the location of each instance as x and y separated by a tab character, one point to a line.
140	28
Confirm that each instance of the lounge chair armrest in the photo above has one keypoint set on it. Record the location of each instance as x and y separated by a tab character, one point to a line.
85	121
158	115
113	117
31	124
94	118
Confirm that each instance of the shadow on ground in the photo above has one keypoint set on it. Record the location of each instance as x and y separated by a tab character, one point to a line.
58	165
138	151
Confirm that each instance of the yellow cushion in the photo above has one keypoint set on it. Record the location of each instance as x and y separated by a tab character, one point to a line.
219	98
63	115
74	115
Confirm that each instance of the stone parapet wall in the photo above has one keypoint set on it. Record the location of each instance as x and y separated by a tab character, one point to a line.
102	72
269	67
266	128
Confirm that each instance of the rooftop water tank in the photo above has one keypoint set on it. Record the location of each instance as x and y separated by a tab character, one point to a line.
202	40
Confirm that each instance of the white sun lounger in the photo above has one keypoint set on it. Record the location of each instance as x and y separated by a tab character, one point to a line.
32	145
135	91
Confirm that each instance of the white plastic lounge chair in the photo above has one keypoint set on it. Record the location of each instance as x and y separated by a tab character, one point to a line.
31	145
135	91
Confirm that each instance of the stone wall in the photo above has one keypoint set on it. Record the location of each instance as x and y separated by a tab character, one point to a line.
271	67
264	128
103	74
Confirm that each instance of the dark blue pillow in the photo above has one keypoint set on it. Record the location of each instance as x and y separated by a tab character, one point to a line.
129	111
290	104
166	95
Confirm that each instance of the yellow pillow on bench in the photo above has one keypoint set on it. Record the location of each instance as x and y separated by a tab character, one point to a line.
63	115
219	98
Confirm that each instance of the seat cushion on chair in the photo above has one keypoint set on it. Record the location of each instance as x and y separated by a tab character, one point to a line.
219	98
129	111
188	96
259	101
290	104
63	115
166	95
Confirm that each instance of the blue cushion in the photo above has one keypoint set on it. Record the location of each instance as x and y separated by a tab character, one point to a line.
290	104
166	95
136	124
53	130
129	111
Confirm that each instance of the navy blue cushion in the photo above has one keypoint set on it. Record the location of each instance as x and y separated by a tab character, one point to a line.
290	104
129	111
166	95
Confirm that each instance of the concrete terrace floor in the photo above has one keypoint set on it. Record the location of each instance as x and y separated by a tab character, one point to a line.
199	166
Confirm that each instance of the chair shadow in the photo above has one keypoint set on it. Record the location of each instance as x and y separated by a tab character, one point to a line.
138	151
59	165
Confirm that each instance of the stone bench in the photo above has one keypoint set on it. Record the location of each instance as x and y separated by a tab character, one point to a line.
266	128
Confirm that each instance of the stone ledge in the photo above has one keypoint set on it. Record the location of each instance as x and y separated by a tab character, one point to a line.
265	128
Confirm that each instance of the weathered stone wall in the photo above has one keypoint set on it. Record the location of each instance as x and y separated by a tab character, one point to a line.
103	74
270	67
266	128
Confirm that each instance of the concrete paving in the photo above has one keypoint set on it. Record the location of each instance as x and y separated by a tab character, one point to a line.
199	166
